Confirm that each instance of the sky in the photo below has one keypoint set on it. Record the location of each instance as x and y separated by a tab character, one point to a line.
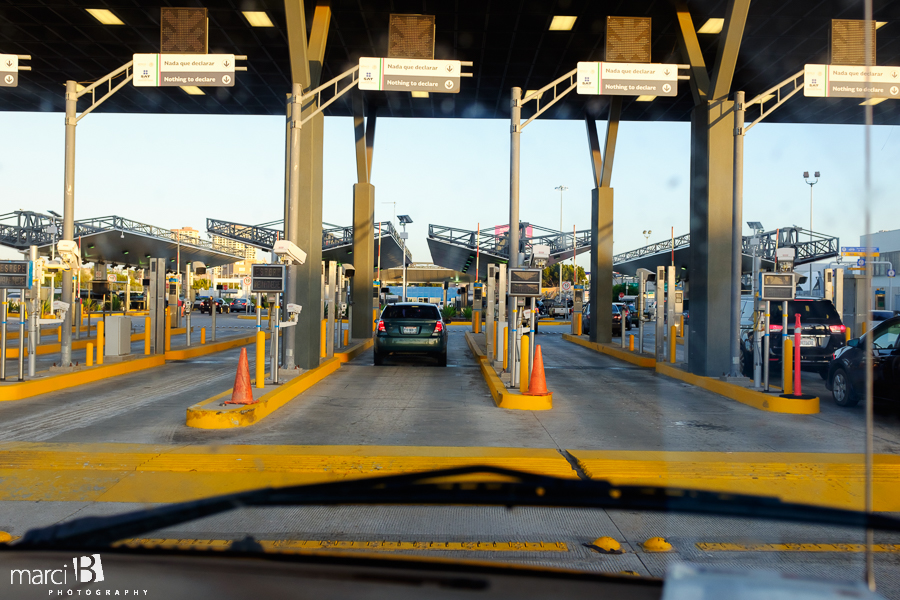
176	170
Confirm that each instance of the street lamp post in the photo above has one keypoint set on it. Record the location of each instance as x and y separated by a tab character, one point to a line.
647	233
811	184
561	189
404	220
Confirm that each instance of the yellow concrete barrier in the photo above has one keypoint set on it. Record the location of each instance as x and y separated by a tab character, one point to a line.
260	359
672	344
89	361
101	339
640	360
505	351
503	397
523	365
146	336
787	363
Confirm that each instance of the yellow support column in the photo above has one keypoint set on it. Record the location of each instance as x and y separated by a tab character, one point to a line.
346	337
59	334
787	364
260	359
89	361
847	335
631	342
672	343
577	324
100	340
146	336
524	375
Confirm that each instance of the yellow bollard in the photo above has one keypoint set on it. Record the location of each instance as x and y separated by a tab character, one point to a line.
203	335
631	342
847	335
787	364
89	361
576	324
496	335
672	343
59	334
681	327
374	319
505	351
146	336
863	328
523	365
322	345
260	359
100	341
476	321
346	337
168	335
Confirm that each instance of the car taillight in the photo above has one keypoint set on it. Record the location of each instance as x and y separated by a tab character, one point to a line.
837	328
438	327
381	325
773	327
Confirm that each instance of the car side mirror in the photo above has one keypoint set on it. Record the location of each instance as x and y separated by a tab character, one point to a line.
854	343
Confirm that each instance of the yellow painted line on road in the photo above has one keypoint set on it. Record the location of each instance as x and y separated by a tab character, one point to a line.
835	480
43	471
759	400
279	546
503	396
730	547
610	350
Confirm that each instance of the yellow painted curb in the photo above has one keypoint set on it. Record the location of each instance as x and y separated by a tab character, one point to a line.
609	349
62	381
504	397
242	415
355	350
822	479
767	402
55	347
204	349
455	323
44	471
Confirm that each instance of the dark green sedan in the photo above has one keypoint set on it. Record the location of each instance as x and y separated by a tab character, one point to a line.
408	328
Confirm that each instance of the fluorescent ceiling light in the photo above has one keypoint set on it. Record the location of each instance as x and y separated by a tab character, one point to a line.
880	24
530	92
872	101
105	16
712	26
562	23
645	98
193	90
419	94
258	18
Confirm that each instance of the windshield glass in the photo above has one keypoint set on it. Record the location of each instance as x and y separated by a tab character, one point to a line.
818	310
410	312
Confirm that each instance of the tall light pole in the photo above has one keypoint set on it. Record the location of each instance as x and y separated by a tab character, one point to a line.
811	184
647	233
404	220
561	189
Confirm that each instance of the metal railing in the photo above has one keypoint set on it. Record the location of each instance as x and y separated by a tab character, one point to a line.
497	243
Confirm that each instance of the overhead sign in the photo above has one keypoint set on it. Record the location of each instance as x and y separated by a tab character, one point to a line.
267	278
845	81
525	282
9	70
176	70
15	275
860	254
409	75
891	273
861	251
627	79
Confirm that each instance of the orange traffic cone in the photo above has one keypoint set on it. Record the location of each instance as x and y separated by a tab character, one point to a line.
538	384
242	393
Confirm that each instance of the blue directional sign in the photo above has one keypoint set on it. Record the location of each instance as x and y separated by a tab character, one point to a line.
858	249
891	273
861	262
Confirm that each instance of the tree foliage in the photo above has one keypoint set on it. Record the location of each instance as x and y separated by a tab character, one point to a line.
550	275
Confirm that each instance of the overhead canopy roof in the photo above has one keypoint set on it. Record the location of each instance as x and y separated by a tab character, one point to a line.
509	43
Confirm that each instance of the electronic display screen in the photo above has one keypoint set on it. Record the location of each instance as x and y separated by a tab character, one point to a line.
276	271
14	268
14	282
267	285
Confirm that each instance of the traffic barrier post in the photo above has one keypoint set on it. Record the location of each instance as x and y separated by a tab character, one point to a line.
89	361
787	358
323	342
523	365
631	342
260	359
100	341
167	336
505	346
346	338
672	343
146	336
797	389
202	335
59	334
847	335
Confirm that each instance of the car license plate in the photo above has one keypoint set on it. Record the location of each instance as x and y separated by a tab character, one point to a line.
807	340
410	330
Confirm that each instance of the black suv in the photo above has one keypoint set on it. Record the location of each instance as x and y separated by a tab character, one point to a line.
822	333
221	306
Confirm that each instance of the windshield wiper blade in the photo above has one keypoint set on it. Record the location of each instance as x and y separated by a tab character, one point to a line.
510	488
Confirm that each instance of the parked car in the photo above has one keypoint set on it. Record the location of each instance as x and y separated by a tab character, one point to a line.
221	305
586	319
625	312
411	328
847	370
822	333
242	305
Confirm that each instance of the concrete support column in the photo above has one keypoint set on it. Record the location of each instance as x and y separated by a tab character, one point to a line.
363	258
712	187
601	264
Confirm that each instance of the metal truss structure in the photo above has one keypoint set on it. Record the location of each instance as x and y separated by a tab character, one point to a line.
497	244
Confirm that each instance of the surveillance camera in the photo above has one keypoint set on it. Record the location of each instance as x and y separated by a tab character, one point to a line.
294	309
290	251
349	269
643	271
68	251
